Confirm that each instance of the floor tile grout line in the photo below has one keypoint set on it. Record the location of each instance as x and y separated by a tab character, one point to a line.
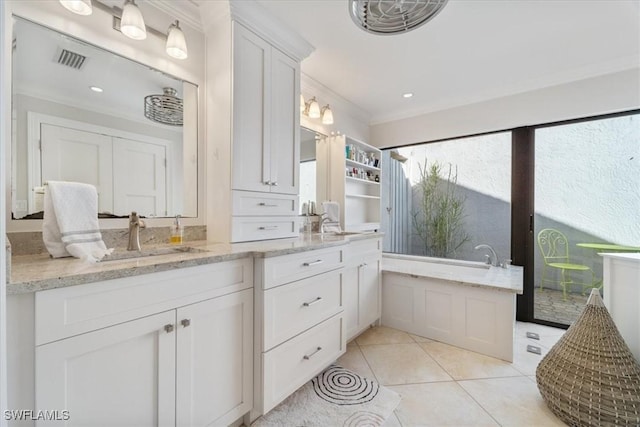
479	404
368	364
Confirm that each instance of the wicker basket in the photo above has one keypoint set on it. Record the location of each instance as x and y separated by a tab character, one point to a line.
590	377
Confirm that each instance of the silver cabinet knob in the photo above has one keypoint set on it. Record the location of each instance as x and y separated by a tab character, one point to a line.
169	328
185	322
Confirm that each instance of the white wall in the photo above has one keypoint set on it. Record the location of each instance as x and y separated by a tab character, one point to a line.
348	118
5	136
599	95
97	29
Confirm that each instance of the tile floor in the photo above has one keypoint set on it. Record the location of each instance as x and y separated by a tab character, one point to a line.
442	385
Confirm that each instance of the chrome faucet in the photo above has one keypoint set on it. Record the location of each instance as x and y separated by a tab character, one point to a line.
490	260
135	224
323	218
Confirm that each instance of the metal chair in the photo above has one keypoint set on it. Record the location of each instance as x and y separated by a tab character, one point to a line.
555	253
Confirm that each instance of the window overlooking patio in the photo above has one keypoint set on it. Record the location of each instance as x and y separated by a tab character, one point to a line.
447	197
442	199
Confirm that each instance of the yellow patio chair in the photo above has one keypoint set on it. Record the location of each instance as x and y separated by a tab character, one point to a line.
555	253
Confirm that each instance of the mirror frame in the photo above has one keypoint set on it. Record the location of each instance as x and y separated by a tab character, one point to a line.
96	29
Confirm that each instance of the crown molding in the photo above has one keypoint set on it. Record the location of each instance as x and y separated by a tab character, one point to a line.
259	20
186	11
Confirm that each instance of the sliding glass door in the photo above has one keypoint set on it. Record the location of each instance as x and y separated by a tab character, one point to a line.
587	201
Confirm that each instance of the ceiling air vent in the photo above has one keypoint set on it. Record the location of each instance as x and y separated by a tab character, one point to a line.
71	59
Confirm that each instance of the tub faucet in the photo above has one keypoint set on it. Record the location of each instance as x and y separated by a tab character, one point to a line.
135	224
491	259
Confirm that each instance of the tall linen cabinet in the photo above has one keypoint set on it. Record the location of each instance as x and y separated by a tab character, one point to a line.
253	122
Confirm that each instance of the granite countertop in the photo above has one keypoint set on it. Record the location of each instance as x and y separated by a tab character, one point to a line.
31	273
461	272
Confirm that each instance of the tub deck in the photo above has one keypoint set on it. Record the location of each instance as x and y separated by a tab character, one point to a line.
466	304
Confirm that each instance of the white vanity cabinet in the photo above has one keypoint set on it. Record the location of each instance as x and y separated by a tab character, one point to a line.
299	328
171	348
362	285
266	139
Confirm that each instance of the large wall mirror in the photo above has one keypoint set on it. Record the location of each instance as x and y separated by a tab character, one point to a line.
309	175
78	114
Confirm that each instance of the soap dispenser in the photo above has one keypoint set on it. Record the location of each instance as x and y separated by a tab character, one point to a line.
176	232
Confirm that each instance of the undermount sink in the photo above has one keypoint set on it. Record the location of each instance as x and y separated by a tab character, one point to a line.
123	254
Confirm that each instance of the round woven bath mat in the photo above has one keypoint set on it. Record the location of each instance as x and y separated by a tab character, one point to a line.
590	377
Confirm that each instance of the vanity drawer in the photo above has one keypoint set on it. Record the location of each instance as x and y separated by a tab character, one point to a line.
73	310
295	362
291	309
264	204
288	268
246	228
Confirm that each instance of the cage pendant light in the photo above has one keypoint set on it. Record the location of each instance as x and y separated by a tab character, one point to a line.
393	16
166	108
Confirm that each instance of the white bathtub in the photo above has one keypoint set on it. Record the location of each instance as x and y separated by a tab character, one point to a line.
466	304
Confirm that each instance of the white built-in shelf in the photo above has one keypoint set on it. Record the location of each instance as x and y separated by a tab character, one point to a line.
351	178
362	196
361	165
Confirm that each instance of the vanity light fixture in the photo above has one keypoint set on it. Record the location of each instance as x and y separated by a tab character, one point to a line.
327	115
312	109
80	7
129	21
132	22
176	43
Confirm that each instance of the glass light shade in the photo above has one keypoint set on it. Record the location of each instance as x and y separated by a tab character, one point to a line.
81	7
302	106
132	23
327	116
176	43
314	109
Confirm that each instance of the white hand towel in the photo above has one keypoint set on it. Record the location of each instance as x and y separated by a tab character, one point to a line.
70	223
332	209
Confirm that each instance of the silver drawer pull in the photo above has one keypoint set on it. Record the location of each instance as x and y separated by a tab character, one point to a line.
309	304
268	227
309	264
309	356
274	183
168	328
267	205
267	183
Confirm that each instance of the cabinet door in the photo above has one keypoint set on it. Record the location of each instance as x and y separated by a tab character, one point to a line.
76	155
351	303
251	110
214	360
139	177
369	291
285	123
121	375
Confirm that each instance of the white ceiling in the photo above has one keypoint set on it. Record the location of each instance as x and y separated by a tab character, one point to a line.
472	51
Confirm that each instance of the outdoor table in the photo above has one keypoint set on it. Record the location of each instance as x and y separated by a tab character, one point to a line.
609	247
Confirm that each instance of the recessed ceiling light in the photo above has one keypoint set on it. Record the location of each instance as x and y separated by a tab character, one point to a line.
407	95
96	89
